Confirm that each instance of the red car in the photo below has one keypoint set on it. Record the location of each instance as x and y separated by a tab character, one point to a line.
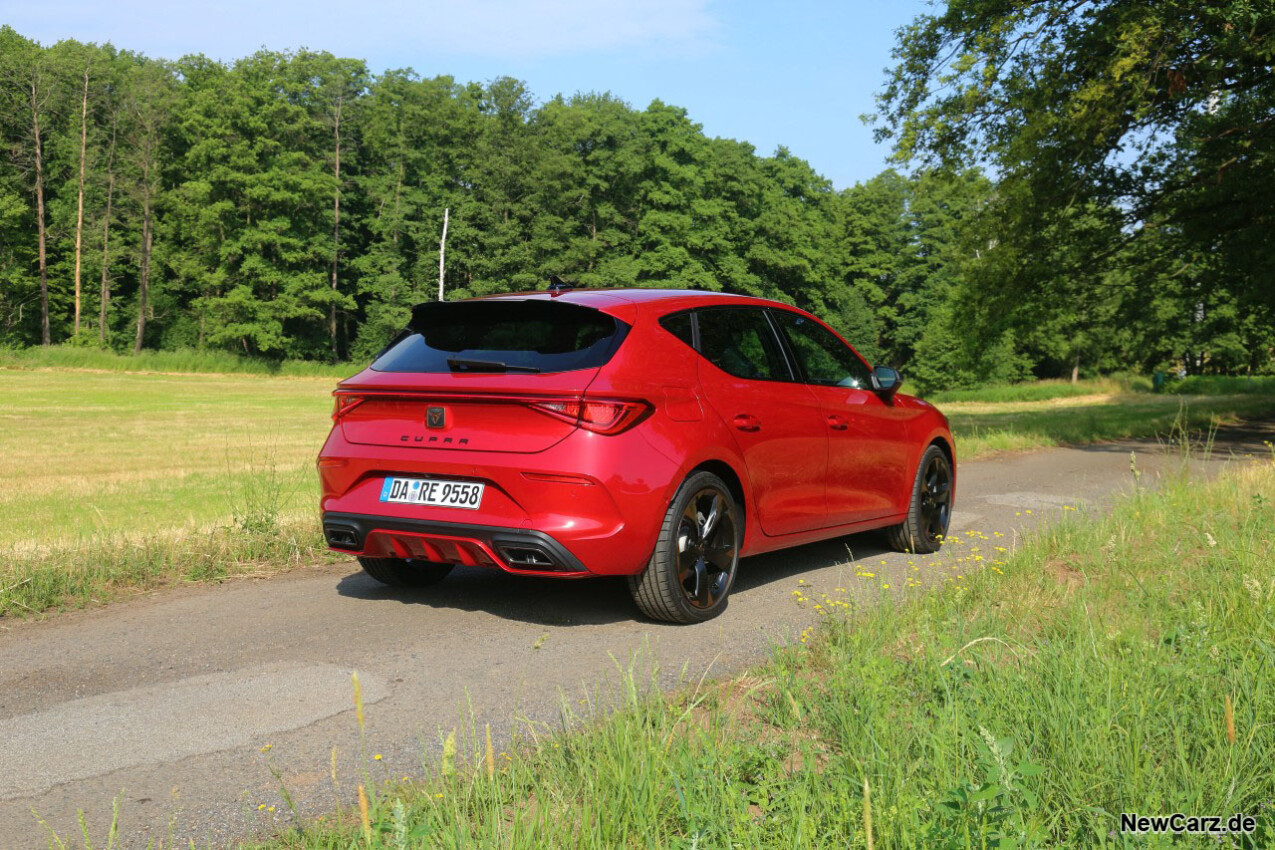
654	434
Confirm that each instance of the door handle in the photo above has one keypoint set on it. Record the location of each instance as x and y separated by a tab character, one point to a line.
837	423
747	422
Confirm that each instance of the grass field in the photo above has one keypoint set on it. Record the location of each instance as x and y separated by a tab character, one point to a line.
983	428
82	454
111	481
1042	390
1111	664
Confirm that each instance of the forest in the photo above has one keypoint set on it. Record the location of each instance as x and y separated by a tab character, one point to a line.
1046	218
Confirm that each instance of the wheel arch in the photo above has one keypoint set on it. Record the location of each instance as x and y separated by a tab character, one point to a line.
946	448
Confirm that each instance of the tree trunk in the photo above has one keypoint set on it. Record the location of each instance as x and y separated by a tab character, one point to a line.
144	280
336	221
398	191
104	300
45	337
1075	369
593	237
442	247
79	202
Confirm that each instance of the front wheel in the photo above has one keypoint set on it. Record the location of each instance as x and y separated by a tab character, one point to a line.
693	567
930	508
397	572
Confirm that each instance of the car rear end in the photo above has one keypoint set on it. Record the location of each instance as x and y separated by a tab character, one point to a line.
473	439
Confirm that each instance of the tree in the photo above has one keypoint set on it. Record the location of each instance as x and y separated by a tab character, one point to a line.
149	107
330	88
30	82
1161	112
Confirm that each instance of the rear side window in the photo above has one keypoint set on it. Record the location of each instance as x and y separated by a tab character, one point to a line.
679	325
524	336
741	342
823	358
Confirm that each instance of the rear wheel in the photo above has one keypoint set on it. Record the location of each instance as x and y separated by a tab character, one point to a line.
400	573
930	509
693	567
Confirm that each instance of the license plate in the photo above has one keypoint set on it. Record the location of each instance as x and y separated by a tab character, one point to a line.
429	491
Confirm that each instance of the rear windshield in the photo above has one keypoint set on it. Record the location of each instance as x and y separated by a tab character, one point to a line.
526	336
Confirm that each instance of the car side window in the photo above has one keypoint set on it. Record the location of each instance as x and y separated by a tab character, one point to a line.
679	325
823	358
741	342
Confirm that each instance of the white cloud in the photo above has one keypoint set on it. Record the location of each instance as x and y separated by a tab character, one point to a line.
520	29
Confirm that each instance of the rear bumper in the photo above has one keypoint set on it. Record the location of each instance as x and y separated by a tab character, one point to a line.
592	504
522	551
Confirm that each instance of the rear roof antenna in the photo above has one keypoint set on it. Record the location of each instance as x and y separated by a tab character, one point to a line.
557	284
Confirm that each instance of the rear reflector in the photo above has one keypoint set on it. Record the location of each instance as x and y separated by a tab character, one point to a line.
602	416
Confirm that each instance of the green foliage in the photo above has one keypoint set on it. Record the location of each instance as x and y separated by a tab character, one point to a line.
1130	223
289	206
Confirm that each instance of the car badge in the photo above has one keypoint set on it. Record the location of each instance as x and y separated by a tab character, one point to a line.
435	417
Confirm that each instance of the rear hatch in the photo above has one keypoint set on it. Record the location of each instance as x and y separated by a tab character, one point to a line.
502	375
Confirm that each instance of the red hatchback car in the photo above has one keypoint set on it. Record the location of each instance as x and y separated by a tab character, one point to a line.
654	434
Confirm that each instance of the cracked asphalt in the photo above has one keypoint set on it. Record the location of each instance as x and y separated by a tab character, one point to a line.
184	704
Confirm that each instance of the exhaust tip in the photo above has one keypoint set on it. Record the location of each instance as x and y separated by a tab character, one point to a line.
531	558
341	537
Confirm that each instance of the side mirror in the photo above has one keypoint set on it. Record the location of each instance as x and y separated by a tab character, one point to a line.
886	381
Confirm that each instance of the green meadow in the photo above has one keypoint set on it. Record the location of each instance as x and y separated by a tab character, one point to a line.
112	481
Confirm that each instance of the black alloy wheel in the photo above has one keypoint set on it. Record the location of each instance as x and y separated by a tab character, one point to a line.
691	572
930	508
936	499
707	549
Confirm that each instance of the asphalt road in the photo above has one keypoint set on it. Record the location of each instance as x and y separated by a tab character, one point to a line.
167	702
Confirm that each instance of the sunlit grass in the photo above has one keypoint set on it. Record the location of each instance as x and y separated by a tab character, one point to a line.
82	454
1041	390
983	429
92	462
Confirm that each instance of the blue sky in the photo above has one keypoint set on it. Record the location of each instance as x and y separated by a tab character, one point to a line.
796	73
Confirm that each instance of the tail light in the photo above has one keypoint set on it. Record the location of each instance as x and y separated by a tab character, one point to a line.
345	402
602	416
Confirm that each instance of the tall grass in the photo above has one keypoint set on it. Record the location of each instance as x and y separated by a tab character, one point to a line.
1223	385
1043	390
986	429
1112	664
109	566
181	360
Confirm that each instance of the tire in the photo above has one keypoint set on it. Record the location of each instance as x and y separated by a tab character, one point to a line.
689	577
399	573
929	509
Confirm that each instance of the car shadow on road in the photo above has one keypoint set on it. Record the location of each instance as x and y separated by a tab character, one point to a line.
595	601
